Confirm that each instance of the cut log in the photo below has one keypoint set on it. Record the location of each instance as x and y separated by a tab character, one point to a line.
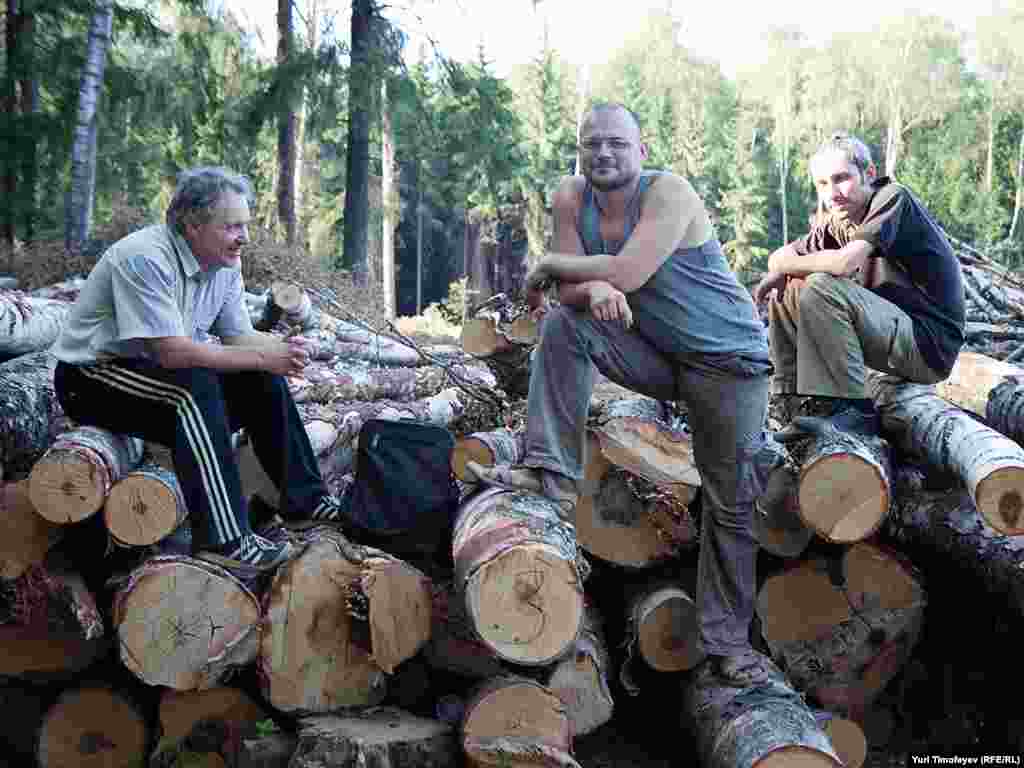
515	722
73	478
489	334
847	739
185	623
624	519
354	380
382	737
843	626
29	324
938	528
50	626
500	446
778	526
990	389
768	726
580	679
454	646
989	464
431	379
94	726
380	350
336	619
661	629
516	568
215	719
30	415
845	484
25	537
144	506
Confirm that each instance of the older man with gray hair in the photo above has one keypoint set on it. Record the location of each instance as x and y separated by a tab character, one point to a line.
133	359
881	289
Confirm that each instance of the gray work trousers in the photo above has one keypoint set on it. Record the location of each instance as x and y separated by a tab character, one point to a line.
826	331
726	411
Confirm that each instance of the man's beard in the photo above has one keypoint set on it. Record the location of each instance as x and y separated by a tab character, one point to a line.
618	182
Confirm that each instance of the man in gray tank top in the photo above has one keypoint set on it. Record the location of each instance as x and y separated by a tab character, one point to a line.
648	299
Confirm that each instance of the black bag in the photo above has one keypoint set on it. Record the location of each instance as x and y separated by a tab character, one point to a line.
405	495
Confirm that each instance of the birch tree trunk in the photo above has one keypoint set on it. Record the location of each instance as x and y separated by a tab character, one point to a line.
78	214
389	203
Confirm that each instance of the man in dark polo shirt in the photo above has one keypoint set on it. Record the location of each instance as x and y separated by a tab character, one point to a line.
880	288
132	359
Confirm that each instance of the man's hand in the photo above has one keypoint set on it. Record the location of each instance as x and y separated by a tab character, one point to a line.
537	282
287	359
771	282
609	303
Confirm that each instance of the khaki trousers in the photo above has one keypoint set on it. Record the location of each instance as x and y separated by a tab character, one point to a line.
826	331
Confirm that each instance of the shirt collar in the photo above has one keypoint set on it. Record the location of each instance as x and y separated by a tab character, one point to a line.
188	260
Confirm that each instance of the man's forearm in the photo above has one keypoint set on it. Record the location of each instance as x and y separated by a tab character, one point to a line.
581	269
182	352
575	294
788	261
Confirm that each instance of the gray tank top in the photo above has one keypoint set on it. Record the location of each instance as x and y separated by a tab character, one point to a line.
693	305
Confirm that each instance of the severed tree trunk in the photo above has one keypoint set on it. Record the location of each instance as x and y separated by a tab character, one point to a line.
431	379
213	720
626	519
185	623
145	506
379	350
990	389
847	737
355	380
768	726
843	626
336	619
93	727
25	537
580	679
73	478
514	722
50	627
516	568
500	446
989	464
30	415
28	324
83	150
661	629
382	737
845	484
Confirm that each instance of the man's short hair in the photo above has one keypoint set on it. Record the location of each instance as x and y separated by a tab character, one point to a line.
855	150
198	190
606	106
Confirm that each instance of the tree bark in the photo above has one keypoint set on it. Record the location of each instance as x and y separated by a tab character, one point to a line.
83	150
516	568
515	722
355	380
990	389
73	478
767	726
185	623
842	625
661	629
357	158
390	203
989	464
28	324
337	619
286	126
30	414
10	100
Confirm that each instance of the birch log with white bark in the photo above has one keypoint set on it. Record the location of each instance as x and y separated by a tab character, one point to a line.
990	464
30	414
28	324
83	149
991	389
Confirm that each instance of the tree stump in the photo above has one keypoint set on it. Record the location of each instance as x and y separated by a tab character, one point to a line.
30	414
25	536
661	628
516	568
843	626
74	477
989	464
845	484
382	737
336	619
145	506
580	679
624	519
94	726
500	446
512	722
50	626
185	623
767	726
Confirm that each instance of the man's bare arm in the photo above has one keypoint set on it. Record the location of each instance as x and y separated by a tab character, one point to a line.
282	358
842	262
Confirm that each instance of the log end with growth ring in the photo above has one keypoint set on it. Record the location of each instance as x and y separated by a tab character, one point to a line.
66	488
667	632
999	500
844	497
848	740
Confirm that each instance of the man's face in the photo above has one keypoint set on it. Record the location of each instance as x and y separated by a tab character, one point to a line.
611	152
841	186
217	243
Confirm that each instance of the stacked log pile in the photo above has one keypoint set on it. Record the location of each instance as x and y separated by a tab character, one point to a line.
526	641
